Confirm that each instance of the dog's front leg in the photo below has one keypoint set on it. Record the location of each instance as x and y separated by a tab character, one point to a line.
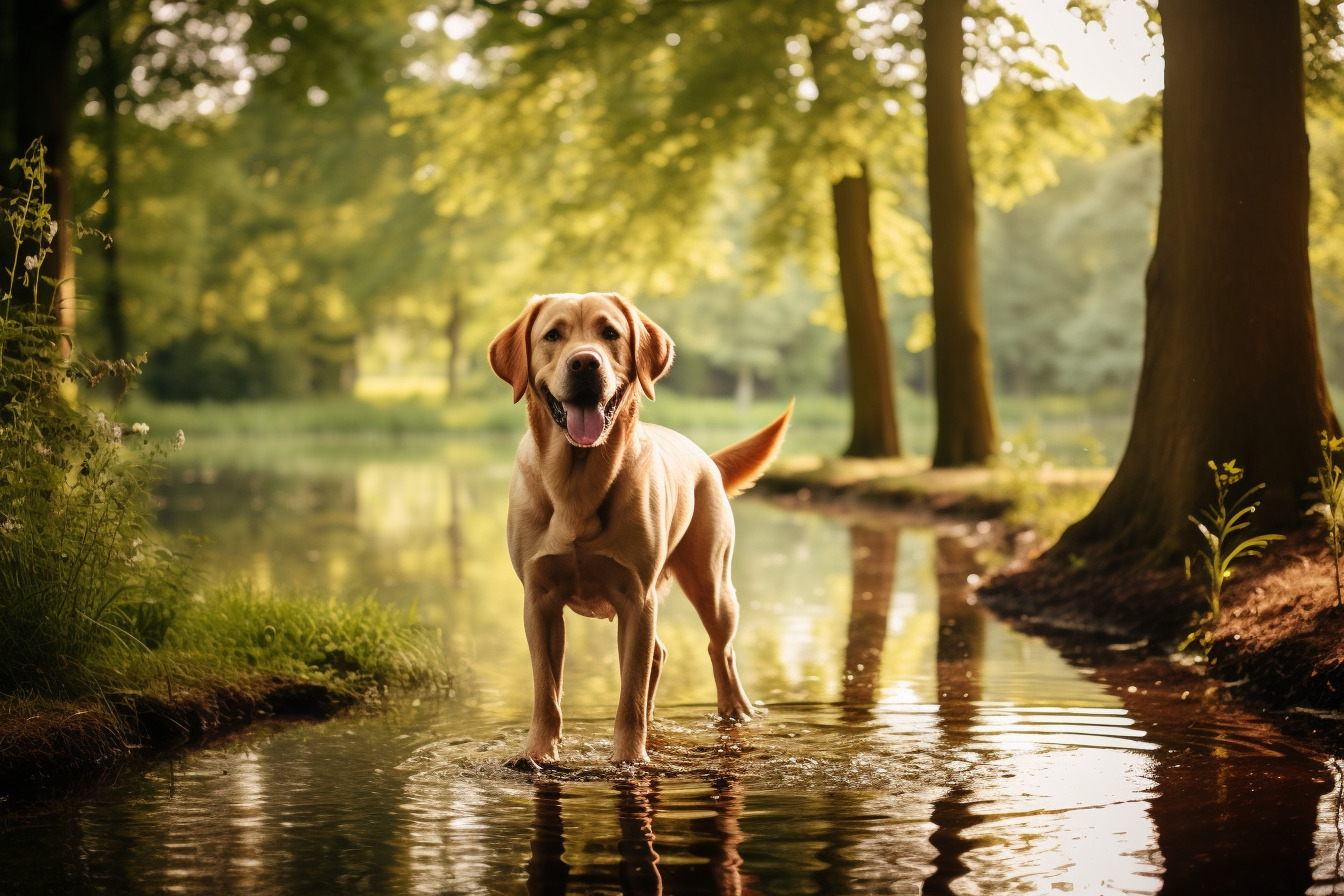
635	641
544	623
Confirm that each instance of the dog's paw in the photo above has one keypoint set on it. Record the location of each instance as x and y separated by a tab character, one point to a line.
529	765
633	761
740	713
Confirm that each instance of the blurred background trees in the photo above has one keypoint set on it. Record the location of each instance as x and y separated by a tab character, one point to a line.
318	198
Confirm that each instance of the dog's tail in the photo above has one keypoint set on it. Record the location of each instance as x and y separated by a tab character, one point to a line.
742	463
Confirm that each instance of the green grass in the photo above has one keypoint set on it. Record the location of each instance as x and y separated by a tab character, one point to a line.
236	631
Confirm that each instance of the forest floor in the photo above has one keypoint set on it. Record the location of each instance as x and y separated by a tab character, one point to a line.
1279	641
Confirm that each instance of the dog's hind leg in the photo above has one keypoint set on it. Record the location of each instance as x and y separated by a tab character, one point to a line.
700	565
655	672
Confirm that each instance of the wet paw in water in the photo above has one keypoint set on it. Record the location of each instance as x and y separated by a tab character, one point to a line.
528	765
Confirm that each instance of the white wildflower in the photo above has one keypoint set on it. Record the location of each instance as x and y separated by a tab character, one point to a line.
116	433
138	555
102	420
42	450
179	440
51	230
11	525
141	428
30	262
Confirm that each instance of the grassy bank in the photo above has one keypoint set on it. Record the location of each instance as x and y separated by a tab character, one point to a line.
214	662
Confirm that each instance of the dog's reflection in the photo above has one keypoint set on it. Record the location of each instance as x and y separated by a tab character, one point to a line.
711	843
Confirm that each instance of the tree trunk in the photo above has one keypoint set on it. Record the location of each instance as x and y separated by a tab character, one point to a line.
39	78
874	432
114	313
453	331
966	427
1231	367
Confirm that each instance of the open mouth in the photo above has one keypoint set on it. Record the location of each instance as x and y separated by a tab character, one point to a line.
584	418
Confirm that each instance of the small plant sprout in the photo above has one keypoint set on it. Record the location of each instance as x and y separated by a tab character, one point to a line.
1330	481
1219	526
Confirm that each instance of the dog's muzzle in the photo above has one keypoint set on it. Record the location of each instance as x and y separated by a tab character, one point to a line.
584	416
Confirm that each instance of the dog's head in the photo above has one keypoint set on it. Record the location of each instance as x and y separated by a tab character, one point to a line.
579	354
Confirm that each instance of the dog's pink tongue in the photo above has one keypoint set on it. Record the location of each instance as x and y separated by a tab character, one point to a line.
584	423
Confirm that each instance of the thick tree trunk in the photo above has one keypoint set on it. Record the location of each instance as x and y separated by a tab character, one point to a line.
966	427
874	432
1231	367
39	88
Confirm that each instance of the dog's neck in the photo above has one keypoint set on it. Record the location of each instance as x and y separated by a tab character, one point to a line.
578	480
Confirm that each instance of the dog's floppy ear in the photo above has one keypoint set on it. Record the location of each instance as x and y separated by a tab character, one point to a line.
511	350
652	347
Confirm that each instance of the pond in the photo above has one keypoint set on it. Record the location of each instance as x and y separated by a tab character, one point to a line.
913	742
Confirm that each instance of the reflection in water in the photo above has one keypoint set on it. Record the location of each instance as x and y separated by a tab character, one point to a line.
873	554
913	743
959	654
547	873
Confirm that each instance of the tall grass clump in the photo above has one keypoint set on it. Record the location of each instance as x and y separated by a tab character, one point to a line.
1330	480
79	568
235	631
1219	526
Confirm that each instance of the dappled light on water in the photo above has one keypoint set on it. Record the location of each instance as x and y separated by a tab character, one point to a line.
911	742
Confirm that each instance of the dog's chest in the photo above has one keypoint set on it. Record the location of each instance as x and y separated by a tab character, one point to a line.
589	583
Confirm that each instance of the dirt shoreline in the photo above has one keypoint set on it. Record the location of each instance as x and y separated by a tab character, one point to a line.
1279	642
51	750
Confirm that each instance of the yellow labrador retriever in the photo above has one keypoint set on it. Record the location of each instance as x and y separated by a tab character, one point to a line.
604	508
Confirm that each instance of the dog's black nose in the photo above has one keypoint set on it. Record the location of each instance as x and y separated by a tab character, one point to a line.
585	361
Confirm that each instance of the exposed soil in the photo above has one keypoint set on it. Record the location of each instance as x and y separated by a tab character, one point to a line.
49	749
1279	639
910	485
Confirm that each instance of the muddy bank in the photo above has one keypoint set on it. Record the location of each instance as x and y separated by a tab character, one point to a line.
1279	640
909	484
47	749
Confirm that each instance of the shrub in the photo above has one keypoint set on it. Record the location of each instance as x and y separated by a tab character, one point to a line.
78	565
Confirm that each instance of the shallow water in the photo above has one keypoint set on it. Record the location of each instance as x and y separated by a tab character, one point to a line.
913	743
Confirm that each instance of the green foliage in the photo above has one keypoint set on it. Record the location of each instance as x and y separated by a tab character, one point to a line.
1063	271
238	630
79	568
1330	481
1220	524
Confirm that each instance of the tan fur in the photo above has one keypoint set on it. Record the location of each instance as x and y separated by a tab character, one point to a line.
600	528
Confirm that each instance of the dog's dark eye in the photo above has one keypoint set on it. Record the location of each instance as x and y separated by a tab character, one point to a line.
552	334
610	333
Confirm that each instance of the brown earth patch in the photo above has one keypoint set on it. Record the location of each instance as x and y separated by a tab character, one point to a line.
1279	639
45	749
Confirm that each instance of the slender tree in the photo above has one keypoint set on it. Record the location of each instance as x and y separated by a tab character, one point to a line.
1231	367
873	431
966	424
